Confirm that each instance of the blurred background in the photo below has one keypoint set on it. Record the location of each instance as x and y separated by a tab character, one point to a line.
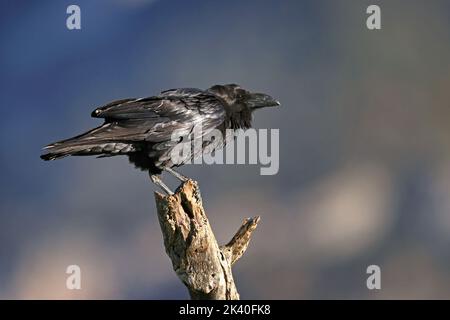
364	145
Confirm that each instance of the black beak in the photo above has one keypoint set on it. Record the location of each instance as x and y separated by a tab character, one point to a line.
261	100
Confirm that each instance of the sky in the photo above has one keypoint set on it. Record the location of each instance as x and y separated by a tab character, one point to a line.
364	146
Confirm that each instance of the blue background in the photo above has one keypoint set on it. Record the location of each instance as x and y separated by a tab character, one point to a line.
364	145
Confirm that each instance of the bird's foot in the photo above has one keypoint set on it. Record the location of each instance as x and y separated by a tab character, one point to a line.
156	179
177	175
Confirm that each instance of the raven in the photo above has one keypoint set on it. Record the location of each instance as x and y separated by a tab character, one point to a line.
142	128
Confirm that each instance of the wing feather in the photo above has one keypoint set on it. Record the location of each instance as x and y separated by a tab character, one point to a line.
154	119
145	124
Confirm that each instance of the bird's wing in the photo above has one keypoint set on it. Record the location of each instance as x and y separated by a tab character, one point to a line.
131	122
168	102
154	119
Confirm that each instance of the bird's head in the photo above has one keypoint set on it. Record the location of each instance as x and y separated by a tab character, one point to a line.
239	98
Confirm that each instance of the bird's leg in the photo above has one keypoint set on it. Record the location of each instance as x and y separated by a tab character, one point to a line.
156	179
177	175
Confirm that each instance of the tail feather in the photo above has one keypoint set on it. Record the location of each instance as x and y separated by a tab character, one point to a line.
57	151
84	148
108	139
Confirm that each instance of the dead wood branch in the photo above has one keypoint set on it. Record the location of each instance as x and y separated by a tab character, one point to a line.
200	263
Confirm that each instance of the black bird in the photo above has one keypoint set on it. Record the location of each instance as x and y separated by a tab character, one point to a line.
142	128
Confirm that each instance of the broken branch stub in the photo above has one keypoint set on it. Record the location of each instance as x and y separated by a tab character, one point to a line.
200	263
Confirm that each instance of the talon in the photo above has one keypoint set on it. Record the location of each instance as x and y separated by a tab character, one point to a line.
157	180
177	175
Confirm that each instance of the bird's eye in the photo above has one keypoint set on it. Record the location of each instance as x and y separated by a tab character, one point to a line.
241	96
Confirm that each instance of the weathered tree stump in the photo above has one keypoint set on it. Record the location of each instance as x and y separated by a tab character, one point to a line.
200	263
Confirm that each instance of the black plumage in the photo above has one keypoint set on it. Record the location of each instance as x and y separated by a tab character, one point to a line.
142	128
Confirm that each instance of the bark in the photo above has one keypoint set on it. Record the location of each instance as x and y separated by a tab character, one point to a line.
200	263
